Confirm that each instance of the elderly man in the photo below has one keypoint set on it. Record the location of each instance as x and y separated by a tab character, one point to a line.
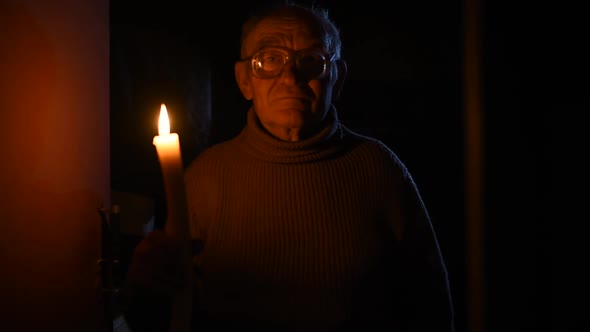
304	224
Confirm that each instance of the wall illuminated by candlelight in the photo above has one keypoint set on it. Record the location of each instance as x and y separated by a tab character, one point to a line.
54	169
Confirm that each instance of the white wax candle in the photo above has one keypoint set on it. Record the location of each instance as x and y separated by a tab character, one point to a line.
168	148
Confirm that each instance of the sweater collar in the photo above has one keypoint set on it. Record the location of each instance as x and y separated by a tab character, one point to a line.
262	145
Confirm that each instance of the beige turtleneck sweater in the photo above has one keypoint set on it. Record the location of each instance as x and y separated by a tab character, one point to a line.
321	234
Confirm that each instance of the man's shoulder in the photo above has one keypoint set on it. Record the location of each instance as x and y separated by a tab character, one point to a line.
372	145
381	157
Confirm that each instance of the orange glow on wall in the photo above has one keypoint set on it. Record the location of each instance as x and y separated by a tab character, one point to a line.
54	172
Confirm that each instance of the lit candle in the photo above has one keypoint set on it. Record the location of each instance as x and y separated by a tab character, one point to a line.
168	148
176	226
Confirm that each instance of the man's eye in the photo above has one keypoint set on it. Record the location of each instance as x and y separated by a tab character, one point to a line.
272	58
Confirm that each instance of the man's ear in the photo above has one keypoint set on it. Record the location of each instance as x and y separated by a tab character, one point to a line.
341	71
241	73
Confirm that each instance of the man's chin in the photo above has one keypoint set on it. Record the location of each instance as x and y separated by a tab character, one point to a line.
292	117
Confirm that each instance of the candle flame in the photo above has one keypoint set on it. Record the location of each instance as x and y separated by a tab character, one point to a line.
164	123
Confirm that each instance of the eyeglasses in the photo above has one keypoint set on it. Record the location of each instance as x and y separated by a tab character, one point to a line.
270	62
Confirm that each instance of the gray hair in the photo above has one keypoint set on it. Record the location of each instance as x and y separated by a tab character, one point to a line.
328	29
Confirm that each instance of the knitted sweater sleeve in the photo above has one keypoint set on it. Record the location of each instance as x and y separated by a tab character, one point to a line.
424	274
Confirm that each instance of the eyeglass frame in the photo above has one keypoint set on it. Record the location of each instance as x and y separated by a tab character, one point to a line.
290	54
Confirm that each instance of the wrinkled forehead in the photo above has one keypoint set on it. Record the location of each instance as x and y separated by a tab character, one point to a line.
288	29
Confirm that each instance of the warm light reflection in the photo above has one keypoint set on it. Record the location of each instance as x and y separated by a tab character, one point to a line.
164	123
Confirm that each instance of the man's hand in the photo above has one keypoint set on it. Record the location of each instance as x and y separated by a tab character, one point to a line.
157	265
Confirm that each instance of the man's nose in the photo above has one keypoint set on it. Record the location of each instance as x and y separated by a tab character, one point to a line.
291	72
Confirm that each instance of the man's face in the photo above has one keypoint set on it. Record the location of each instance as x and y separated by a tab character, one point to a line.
289	102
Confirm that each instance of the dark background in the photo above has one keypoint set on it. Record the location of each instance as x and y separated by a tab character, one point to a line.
405	86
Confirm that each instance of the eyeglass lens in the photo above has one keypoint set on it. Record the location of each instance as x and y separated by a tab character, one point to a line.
270	63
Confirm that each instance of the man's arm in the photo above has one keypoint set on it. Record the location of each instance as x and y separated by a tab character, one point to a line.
154	276
424	274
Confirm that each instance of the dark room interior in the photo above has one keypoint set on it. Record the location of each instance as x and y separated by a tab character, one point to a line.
415	102
472	95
